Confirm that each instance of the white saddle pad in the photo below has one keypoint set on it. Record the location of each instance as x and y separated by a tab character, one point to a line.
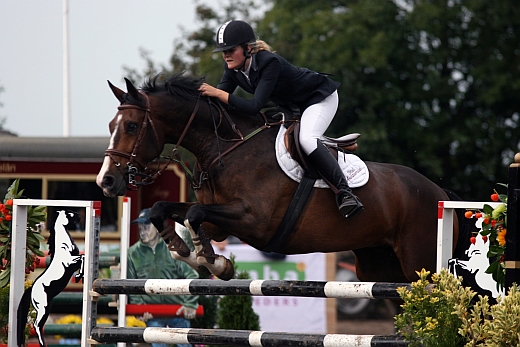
355	169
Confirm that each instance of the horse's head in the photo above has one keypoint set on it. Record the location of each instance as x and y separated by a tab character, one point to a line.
126	159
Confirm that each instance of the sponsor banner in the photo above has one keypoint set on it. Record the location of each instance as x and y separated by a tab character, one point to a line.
284	313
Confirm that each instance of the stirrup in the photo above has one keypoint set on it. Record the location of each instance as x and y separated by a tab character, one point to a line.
349	205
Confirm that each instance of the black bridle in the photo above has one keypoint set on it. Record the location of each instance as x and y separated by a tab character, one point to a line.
131	169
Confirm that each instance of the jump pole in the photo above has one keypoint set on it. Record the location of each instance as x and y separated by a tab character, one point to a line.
240	337
316	289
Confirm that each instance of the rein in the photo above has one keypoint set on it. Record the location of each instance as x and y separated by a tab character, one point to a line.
174	156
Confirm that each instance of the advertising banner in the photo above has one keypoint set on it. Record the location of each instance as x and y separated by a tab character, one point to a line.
284	313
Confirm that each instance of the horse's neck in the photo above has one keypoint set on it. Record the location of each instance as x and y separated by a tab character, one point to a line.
204	143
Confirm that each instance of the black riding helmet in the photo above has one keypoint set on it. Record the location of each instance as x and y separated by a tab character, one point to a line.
232	34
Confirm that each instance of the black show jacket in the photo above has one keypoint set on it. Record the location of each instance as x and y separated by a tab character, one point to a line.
274	78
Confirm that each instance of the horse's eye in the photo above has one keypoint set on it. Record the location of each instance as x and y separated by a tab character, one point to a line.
131	128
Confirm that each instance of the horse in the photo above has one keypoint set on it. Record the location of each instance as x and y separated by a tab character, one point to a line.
242	191
65	261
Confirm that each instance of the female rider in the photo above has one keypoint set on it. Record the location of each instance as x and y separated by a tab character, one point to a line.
250	64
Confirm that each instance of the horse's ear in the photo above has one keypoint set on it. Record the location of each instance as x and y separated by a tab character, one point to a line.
131	89
117	92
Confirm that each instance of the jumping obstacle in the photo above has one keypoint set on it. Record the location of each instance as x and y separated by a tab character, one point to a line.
333	289
19	246
92	334
240	337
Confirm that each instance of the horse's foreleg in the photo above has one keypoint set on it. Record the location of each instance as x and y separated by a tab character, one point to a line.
173	240
178	248
218	265
159	215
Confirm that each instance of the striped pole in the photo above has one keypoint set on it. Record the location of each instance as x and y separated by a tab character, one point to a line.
333	289
239	337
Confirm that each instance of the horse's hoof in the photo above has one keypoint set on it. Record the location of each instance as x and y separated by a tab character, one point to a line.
222	267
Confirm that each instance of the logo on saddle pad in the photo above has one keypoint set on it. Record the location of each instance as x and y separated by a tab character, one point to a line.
354	169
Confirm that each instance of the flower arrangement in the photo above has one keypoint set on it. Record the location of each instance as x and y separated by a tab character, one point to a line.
35	216
444	315
494	230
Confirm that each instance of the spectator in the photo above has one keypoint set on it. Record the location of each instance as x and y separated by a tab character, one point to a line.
149	258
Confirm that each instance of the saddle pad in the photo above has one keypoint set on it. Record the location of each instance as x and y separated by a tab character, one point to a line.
355	169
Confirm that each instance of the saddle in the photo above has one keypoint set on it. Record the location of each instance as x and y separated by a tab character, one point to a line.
346	144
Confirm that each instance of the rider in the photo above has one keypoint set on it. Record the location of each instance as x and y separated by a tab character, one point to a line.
251	64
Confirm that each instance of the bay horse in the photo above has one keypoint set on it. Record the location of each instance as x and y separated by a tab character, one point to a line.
242	191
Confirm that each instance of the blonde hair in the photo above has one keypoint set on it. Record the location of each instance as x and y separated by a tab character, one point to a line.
260	45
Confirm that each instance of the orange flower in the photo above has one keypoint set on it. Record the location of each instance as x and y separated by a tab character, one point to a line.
9	202
501	237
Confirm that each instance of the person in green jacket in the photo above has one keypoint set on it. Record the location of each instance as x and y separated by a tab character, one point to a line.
149	258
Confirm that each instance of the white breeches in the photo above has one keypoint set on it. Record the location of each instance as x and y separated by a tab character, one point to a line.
315	121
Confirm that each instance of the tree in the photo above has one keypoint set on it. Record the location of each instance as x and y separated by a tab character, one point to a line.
429	84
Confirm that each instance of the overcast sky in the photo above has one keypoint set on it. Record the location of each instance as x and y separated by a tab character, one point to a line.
104	36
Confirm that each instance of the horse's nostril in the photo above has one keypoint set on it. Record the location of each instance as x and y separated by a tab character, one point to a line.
108	181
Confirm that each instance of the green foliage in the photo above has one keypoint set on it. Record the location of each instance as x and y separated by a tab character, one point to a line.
432	85
492	326
209	302
445	315
35	216
209	319
236	312
4	313
504	327
428	317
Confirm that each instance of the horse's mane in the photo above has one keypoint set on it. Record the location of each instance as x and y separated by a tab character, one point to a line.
177	85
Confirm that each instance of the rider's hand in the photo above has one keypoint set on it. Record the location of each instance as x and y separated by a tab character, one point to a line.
189	313
208	90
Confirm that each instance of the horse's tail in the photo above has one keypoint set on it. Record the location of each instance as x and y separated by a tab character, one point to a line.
466	227
23	311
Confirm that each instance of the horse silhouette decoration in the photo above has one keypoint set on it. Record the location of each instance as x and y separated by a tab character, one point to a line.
242	191
65	261
472	265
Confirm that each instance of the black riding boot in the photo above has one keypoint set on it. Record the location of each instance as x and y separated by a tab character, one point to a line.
348	204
